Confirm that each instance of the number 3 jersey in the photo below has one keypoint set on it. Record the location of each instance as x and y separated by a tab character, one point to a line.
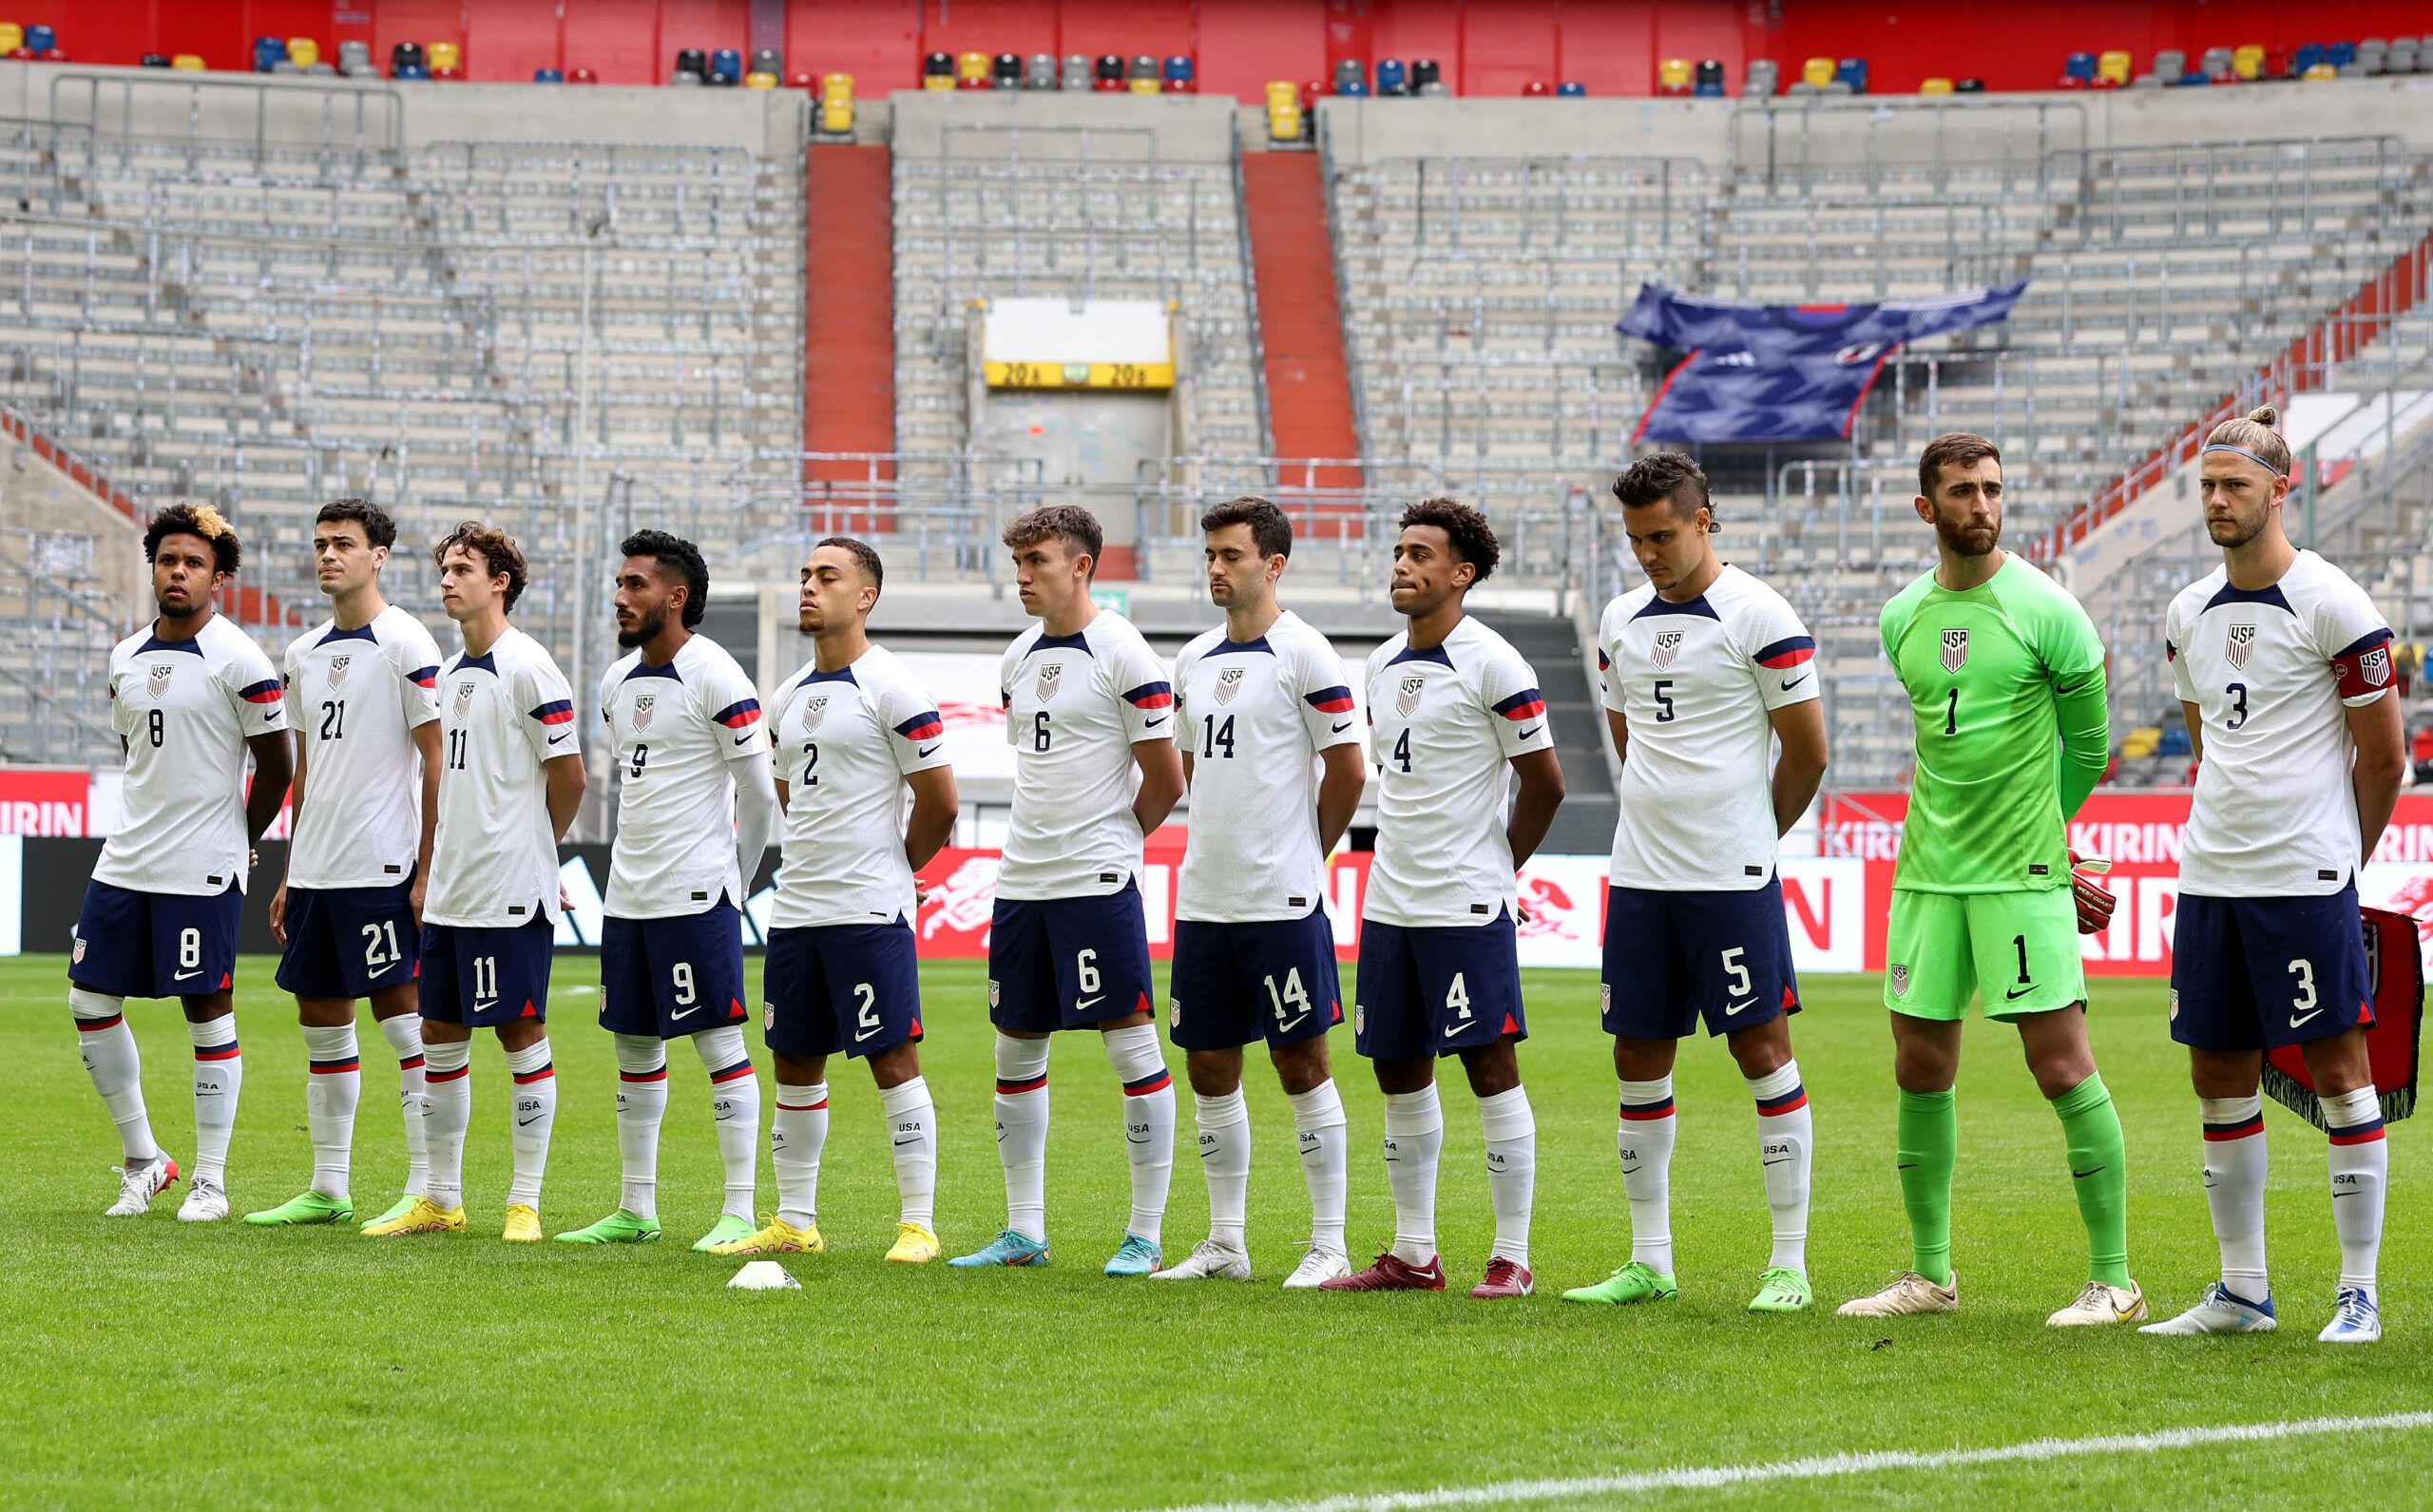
2271	672
1443	724
1697	684
186	709
846	740
674	730
1255	715
1075	706
359	696
502	715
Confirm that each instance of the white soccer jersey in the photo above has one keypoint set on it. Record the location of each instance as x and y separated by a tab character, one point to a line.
1255	715
1075	705
1443	725
846	741
494	859
674	730
186	709
359	696
2270	672
1697	683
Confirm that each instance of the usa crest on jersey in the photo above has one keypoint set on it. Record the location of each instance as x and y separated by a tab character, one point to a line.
337	670
1229	682
464	698
815	710
1955	649
2240	645
1668	646
643	704
1050	674
1406	698
157	681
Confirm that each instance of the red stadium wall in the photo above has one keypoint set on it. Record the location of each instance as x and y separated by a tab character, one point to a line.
1486	46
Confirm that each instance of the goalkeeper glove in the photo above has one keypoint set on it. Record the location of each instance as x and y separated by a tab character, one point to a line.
2094	903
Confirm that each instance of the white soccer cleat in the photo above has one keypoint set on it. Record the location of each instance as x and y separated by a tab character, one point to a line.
139	1184
2357	1320
206	1202
2220	1310
2101	1304
1317	1268
1904	1295
1209	1261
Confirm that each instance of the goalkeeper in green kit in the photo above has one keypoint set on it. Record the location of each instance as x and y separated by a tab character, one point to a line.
2006	679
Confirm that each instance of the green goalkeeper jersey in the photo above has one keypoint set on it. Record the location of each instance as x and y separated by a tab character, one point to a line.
2006	682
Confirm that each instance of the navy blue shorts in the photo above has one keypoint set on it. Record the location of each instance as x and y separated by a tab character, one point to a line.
1672	958
1426	992
484	977
1231	983
854	987
349	942
672	977
2254	973
155	945
1067	963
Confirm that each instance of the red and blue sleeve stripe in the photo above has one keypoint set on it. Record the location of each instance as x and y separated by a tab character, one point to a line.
1151	696
265	692
1788	652
424	677
738	716
558	711
1603	662
923	726
1331	700
1526	704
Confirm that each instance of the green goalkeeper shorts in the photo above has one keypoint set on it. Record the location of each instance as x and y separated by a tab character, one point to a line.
2019	950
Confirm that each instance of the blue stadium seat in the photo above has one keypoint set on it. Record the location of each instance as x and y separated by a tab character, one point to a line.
2175	740
2080	67
2341	54
1708	85
1571	89
269	52
1392	79
1853	71
549	76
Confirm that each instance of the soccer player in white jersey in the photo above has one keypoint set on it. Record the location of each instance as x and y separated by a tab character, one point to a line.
2283	667
190	697
510	779
1275	769
1451	706
1704	668
853	730
367	797
1086	704
696	810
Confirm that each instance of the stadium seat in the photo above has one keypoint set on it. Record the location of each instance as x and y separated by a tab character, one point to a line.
1764	80
269	52
726	68
680	79
2339	54
154	60
1042	72
2219	66
1283	118
1393	81
1839	87
354	59
1705	81
1852	72
2306	56
937	71
408	55
1800	86
444	56
836	104
758	80
1969	87
693	61
1938	84
2169	64
2069	81
2402	58
971	70
1535	89
2173	740
1571	89
42	38
303	52
583	76
1425	73
187	63
1182	75
2247	61
13	36
1075	74
2077	68
1673	76
2370	53
2276	66
765	59
549	76
1816	72
1106	75
2114	65
1007	72
1145	75
1348	70
2320	72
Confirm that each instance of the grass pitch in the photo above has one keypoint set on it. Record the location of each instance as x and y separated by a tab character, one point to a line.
156	1363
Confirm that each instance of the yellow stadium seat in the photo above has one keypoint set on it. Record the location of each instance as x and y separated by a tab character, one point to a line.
13	36
444	56
303	52
1818	72
759	80
2248	62
2320	72
1284	123
972	68
1149	85
836	114
836	86
937	81
1938	84
1282	91
191	62
1673	76
2113	65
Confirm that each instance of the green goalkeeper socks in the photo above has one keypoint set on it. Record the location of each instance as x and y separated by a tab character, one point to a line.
1927	1137
2099	1170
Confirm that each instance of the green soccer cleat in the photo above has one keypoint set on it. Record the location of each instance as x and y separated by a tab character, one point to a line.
1635	1282
305	1207
620	1227
1782	1290
730	1229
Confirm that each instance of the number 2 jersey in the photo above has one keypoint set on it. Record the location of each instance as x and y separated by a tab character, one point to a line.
186	709
1255	715
501	715
1443	723
1075	706
846	740
674	730
1697	684
359	695
2271	672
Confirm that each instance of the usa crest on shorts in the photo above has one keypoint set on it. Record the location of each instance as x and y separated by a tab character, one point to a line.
1955	648
1900	981
1668	646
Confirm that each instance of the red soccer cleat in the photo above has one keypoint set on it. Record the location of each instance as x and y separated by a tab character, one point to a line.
1505	1278
1390	1272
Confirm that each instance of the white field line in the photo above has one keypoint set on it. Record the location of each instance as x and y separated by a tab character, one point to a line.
1830	1466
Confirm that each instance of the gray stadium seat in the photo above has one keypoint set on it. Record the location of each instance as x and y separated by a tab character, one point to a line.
2169	64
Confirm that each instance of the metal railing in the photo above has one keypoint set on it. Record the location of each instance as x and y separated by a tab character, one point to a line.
358	122
1774	143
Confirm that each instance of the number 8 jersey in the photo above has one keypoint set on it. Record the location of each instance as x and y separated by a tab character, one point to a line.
186	709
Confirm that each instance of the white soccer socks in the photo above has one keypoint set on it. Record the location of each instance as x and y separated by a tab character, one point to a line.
2359	1167
1225	1161
912	1130
333	1086
1022	1133
735	1107
107	1049
536	1114
404	1034
1645	1144
798	1133
1326	1160
447	1111
1415	1138
1511	1131
642	1105
2235	1168
1786	1136
218	1076
1148	1124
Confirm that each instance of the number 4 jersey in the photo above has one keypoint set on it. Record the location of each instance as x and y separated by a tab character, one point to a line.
359	695
186	709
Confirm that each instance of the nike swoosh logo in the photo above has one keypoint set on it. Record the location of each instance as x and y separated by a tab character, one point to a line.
1737	1007
928	750
2015	993
526	1123
555	738
480	1006
863	1035
1532	730
686	1013
2083	1175
1288	1028
183	975
1129	1140
2301	1019
1794	682
1345	725
1151	724
1452	1030
744	738
901	1144
1786	1160
1085	1005
2338	1195
1907	1165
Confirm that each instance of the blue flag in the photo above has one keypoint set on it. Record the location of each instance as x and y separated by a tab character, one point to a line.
1784	372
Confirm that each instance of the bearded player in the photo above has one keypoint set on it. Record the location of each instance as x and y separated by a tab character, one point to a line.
2283	673
2002	666
190	697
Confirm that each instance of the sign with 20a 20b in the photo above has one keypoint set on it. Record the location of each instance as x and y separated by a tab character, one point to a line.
1143	376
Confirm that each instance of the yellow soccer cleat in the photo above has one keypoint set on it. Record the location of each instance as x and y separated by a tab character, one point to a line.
914	1245
523	1224
777	1236
424	1216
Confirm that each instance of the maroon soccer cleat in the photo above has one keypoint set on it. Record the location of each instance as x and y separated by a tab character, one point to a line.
1391	1272
1505	1278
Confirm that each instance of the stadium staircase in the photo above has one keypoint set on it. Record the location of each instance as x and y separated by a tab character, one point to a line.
1584	824
1301	323
848	311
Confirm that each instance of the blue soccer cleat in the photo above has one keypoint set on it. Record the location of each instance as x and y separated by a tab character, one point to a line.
2356	1320
1007	1248
1136	1256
